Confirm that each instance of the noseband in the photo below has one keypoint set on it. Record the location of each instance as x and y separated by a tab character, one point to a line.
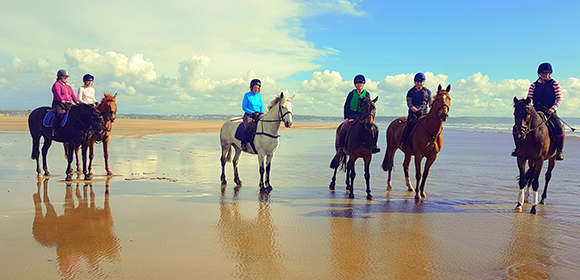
526	129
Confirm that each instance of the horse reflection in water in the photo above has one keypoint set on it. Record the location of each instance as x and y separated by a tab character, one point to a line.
251	242
84	232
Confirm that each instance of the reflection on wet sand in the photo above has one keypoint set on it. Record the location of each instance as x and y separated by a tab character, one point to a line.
530	253
251	242
84	232
395	245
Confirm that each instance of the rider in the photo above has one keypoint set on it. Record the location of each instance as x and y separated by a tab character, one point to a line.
253	107
86	93
63	97
546	95
352	108
418	100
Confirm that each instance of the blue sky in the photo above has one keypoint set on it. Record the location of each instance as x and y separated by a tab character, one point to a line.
197	57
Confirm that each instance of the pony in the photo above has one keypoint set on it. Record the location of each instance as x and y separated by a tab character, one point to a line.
108	110
534	146
425	138
265	142
358	143
84	123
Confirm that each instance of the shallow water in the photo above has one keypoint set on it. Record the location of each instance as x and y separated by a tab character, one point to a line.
164	215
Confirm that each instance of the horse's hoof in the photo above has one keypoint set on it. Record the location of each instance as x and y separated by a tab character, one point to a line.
224	182
410	190
39	176
389	188
518	209
369	197
533	211
331	186
109	173
88	177
46	173
417	197
542	202
351	195
68	178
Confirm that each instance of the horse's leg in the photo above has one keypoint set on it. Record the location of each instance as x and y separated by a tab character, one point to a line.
350	179
235	164
406	164
268	165
536	184
36	154
85	170
418	159
106	154
367	161
91	156
551	165
522	183
333	180
225	150
428	163
69	163
76	150
261	167
45	147
388	164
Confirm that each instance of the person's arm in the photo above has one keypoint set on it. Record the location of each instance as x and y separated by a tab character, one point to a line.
558	92
347	105
531	90
81	94
410	101
245	104
57	90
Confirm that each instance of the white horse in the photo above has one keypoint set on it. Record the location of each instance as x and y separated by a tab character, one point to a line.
266	139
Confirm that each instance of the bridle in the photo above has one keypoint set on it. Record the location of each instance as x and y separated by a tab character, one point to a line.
524	129
279	119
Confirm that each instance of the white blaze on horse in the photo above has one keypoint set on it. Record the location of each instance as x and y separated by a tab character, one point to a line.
265	142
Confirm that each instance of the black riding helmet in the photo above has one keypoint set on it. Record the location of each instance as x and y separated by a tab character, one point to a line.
255	82
88	77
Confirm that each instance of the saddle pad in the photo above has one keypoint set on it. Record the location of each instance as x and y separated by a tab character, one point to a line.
240	132
47	121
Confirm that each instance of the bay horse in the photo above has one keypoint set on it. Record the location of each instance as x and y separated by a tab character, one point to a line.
425	138
265	142
534	146
359	142
108	110
84	122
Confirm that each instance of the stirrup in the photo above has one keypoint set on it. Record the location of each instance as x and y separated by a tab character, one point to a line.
376	150
560	155
514	154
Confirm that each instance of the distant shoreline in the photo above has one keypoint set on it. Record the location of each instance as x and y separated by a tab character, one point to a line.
142	127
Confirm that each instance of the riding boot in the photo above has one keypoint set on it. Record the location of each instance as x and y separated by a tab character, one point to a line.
375	131
514	153
404	137
560	148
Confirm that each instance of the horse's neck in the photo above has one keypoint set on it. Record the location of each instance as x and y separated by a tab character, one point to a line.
270	122
433	123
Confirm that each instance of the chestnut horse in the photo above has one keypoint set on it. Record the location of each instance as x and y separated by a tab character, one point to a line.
533	145
108	110
359	142
425	138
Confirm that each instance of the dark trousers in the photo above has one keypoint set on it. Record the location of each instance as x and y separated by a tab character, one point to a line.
59	108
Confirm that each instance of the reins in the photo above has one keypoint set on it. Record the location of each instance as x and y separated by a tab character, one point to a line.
280	118
525	129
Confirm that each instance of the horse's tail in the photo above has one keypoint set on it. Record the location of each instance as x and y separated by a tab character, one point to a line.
229	155
393	140
342	161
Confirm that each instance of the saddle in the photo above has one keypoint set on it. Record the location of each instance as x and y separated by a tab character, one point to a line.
247	135
50	119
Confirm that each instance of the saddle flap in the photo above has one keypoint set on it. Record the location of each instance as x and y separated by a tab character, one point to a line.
47	121
240	132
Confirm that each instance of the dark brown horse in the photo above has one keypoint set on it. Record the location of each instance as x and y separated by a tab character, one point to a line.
533	145
425	138
108	110
359	142
84	122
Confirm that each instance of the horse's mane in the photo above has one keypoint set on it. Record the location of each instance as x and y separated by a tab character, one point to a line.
275	101
107	98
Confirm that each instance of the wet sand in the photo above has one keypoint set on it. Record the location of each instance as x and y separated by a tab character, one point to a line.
164	215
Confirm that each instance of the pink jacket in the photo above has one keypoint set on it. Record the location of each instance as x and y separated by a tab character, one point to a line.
63	92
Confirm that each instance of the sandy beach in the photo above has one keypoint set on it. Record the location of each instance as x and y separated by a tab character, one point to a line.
165	215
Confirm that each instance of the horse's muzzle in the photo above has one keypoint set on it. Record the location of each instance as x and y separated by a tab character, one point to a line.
443	117
287	124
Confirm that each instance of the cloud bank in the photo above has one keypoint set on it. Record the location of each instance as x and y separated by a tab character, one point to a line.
25	84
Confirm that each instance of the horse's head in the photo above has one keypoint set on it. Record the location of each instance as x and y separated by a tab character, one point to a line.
108	107
96	124
284	108
442	102
368	110
522	117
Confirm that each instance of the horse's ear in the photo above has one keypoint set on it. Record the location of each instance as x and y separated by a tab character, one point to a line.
115	97
439	87
292	98
448	88
375	100
281	95
515	100
528	100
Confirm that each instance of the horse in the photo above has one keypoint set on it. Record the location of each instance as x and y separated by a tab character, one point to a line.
108	110
425	138
358	143
265	142
534	146
84	122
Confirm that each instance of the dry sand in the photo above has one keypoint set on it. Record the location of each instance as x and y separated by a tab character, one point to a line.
164	216
141	127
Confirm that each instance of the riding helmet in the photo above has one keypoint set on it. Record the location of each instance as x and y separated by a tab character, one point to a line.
545	67
359	79
61	73
255	82
419	77
88	77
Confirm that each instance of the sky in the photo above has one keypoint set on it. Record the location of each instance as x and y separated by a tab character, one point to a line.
198	57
